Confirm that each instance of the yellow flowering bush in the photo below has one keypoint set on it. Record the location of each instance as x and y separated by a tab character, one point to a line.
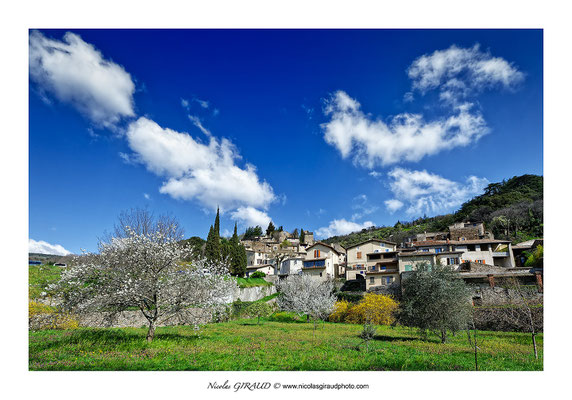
340	313
375	309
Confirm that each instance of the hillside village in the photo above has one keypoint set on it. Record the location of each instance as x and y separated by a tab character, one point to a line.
377	264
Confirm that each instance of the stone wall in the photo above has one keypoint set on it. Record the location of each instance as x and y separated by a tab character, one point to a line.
489	296
136	319
252	293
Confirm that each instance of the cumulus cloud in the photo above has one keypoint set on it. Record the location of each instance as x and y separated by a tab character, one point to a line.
424	192
40	246
76	73
206	172
250	216
341	227
393	205
459	72
456	74
406	137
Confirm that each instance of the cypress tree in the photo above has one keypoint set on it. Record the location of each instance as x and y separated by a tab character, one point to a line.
302	236
217	224
238	258
213	246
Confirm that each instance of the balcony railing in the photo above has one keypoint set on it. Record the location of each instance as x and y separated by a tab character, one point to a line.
500	253
378	270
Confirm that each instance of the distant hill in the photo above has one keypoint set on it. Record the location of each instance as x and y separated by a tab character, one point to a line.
511	209
46	258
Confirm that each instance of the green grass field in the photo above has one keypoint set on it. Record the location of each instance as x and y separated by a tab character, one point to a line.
274	346
40	276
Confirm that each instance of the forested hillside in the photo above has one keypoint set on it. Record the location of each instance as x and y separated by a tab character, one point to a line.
511	209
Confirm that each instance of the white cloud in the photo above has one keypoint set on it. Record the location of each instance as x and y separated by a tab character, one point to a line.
459	72
146	195
197	122
375	174
424	192
393	205
198	171
251	216
75	72
42	247
341	227
407	137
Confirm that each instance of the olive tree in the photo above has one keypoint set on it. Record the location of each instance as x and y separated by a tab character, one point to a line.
144	270
307	295
435	299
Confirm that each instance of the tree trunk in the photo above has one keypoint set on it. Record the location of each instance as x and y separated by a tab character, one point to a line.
534	345
151	331
443	336
476	348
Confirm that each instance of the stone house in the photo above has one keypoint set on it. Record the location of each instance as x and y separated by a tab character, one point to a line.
322	261
455	252
268	269
374	260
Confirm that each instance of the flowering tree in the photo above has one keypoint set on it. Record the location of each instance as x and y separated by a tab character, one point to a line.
144	270
308	295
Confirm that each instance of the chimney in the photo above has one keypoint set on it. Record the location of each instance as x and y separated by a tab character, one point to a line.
491	278
539	282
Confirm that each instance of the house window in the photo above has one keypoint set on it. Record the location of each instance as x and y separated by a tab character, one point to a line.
372	280
320	274
358	255
408	267
316	253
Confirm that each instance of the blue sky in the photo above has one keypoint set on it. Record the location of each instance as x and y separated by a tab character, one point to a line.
331	131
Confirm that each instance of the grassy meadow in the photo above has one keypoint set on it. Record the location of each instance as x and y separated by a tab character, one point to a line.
275	346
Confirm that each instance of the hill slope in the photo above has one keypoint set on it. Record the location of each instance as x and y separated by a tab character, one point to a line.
511	209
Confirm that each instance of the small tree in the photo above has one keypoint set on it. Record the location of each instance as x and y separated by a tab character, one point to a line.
270	230
259	309
145	271
307	295
435	299
284	252
302	236
252	232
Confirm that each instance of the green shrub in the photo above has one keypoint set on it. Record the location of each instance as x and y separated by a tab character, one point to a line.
258	309
285	316
238	307
352	297
257	274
